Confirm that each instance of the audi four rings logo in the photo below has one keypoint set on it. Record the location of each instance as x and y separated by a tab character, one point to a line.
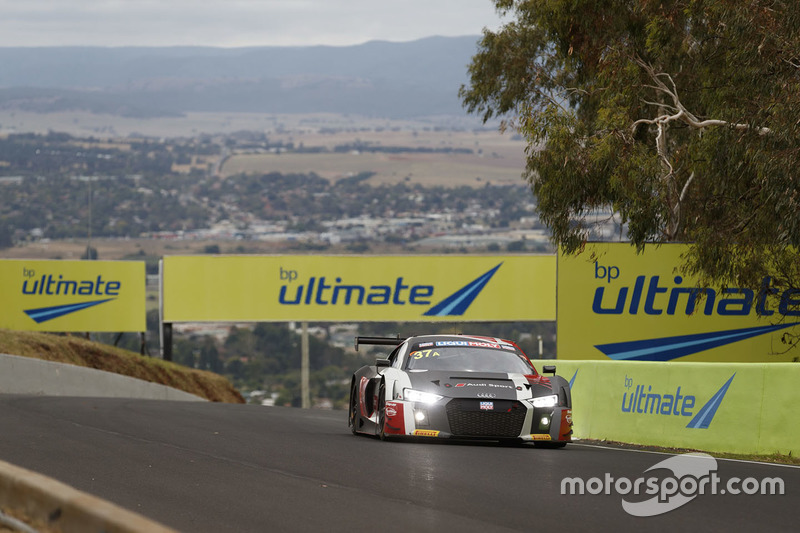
487	395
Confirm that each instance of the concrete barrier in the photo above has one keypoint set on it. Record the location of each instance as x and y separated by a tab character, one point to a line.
26	375
747	408
66	509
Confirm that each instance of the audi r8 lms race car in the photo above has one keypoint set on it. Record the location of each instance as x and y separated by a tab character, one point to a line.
462	387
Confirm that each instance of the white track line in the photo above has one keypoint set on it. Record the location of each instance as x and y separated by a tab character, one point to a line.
668	453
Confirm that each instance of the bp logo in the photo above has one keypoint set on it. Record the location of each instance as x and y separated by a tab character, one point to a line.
642	399
57	286
327	291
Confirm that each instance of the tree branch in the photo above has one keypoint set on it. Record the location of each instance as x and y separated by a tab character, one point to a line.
683	113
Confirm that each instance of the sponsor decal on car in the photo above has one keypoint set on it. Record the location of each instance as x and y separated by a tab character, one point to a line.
487	406
395	419
485	385
565	429
425	433
419	354
451	343
540	436
484	345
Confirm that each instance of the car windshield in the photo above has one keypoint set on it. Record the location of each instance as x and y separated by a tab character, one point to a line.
468	359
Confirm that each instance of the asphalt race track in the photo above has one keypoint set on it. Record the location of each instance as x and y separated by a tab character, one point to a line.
217	467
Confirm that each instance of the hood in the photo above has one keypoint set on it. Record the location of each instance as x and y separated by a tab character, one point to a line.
455	384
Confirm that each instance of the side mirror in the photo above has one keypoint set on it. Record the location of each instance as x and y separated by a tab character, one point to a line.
381	362
549	369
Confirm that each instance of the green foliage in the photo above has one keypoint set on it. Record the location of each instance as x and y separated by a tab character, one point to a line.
209	357
516	246
90	253
6	236
267	356
151	261
683	116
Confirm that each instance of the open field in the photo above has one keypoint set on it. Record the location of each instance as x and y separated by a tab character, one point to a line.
116	249
496	158
86	124
107	249
426	169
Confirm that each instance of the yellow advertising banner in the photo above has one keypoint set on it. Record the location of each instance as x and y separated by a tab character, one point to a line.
358	288
72	295
615	304
705	406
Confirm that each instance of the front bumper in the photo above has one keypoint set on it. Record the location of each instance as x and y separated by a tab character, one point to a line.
473	418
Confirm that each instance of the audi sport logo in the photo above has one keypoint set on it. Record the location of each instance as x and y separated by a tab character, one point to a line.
486	395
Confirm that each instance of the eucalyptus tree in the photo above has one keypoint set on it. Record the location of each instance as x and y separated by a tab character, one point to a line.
683	117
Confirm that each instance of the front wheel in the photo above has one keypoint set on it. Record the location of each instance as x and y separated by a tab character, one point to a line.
382	412
353	410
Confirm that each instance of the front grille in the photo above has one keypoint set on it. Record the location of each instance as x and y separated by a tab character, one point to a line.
468	420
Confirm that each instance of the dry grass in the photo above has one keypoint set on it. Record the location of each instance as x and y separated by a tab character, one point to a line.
426	169
38	524
115	249
82	352
191	124
495	157
107	249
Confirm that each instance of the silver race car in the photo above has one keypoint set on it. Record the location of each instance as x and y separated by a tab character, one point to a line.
458	386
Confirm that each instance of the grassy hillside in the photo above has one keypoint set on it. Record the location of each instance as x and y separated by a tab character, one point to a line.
82	352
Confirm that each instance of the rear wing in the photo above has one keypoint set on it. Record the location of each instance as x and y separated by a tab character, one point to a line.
382	341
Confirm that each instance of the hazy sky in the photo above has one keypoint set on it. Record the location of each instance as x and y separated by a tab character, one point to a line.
237	22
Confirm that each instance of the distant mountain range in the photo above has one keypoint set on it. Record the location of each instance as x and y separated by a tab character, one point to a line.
392	80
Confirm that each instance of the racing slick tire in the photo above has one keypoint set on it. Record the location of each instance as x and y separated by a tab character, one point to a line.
382	412
353	414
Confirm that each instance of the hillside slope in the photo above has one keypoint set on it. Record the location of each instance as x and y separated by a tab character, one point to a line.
82	352
393	80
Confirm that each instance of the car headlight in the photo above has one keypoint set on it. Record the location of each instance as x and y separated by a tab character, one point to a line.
419	396
545	401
